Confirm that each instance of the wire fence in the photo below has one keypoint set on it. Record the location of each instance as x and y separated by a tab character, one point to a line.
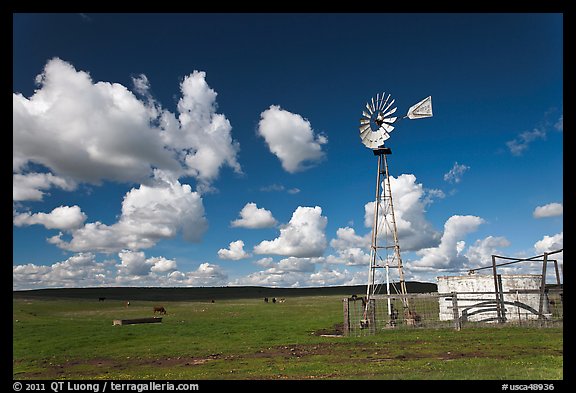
457	310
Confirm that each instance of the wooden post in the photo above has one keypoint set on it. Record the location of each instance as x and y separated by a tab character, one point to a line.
557	272
372	315
543	287
502	299
455	313
346	329
496	290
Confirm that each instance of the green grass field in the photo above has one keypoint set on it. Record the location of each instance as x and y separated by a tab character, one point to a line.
59	338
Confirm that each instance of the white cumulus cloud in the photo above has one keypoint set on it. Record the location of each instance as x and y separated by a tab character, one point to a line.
251	216
351	249
294	264
480	253
162	265
332	277
235	251
63	217
301	272
201	136
207	275
29	186
84	131
134	269
303	236
135	263
291	138
549	210
80	270
149	213
409	199
448	254
550	243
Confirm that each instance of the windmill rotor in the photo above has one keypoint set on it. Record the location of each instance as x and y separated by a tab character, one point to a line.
376	122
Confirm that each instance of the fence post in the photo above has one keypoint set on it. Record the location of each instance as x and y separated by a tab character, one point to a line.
557	272
346	328
502	299
372	315
543	288
455	313
497	291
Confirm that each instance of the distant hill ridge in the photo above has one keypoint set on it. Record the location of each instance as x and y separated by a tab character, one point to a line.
204	293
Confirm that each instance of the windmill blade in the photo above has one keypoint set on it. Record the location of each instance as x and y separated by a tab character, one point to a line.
390	112
366	140
387	127
377	100
389	105
373	106
384	134
372	136
385	102
373	144
369	110
381	104
364	121
365	133
370	144
365	127
375	139
366	114
390	120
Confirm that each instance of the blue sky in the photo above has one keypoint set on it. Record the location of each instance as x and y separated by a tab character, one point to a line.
223	149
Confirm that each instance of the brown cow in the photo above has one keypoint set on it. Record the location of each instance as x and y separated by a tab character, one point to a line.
159	310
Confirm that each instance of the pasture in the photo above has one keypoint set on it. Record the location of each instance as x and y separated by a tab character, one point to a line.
248	339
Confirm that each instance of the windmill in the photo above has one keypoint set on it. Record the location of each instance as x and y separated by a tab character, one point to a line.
375	127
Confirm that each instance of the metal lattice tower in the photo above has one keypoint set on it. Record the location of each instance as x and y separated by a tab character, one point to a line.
375	128
384	227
